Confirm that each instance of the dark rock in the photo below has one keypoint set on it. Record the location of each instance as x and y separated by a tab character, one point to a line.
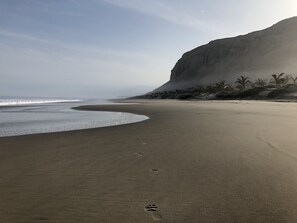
256	55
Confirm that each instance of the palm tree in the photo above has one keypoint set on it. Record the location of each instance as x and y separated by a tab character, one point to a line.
260	82
294	79
286	79
242	82
222	85
278	80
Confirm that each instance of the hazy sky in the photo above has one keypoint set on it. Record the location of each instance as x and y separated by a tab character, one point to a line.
103	48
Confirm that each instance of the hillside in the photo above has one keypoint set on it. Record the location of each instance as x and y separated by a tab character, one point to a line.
255	55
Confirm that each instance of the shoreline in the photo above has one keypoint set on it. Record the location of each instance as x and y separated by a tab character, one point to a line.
37	119
189	162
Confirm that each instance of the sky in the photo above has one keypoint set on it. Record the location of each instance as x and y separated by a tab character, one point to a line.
114	48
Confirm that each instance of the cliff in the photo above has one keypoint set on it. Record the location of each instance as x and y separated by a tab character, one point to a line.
256	55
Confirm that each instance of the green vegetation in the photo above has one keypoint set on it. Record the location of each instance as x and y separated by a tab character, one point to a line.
294	79
242	83
278	80
259	83
278	87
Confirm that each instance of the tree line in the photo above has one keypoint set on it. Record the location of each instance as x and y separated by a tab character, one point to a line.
243	82
242	86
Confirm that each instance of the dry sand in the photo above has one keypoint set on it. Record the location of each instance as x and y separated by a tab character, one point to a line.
191	162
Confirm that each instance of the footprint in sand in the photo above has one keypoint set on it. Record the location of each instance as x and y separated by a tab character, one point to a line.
139	155
152	209
156	216
141	140
154	172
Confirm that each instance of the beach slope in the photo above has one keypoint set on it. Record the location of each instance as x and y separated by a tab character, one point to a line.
190	162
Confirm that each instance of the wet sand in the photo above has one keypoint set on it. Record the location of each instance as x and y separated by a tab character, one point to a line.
190	162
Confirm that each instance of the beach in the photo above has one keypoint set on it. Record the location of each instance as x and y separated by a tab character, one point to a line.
192	161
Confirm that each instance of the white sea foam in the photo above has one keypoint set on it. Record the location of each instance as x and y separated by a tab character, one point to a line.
16	102
32	119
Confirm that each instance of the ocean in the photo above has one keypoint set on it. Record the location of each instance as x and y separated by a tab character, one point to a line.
31	116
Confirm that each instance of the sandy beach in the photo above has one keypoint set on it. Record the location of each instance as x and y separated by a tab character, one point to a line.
190	162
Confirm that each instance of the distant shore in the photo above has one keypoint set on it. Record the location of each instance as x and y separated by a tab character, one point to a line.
207	161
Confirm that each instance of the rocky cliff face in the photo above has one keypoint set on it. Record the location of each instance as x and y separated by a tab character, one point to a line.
256	55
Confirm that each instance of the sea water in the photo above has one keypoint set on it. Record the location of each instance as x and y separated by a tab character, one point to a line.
32	116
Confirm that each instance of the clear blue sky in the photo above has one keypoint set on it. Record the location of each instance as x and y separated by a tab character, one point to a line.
101	48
